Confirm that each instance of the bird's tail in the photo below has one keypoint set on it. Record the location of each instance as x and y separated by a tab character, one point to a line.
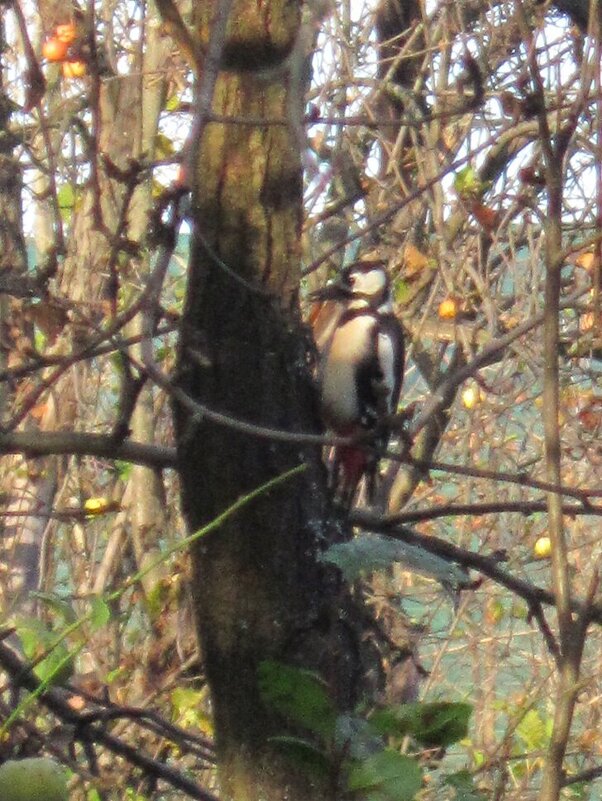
348	466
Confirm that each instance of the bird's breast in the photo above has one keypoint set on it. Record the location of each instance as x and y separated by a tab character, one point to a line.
351	347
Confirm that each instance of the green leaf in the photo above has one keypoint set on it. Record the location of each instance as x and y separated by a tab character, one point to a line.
533	731
113	675
57	667
66	201
33	779
437	724
467	182
100	614
368	552
463	784
401	291
183	699
39	340
299	695
188	708
37	640
173	103
34	635
66	196
355	737
443	723
157	599
164	148
305	756
133	795
58	605
124	469
387	775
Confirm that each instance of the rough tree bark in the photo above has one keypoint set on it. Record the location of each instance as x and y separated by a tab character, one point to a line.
260	591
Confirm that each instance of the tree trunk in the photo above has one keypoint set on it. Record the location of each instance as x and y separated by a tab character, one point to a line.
147	508
260	592
26	489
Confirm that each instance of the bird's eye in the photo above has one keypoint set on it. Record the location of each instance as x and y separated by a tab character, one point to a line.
352	279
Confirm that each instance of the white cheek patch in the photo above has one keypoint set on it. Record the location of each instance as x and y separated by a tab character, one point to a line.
371	283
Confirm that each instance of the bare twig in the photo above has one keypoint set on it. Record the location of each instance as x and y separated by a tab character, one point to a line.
526	507
46	443
441	397
487	565
89	730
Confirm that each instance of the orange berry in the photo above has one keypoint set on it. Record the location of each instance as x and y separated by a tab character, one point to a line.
74	69
54	50
448	309
487	217
181	175
66	33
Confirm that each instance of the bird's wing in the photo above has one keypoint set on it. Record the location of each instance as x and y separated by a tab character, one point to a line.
390	353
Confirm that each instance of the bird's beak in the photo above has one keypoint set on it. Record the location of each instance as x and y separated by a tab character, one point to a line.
335	290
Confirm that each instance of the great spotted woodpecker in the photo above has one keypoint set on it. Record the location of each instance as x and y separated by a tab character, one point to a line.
361	369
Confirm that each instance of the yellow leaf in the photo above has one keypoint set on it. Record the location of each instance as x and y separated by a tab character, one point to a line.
586	260
542	548
414	260
586	321
448	309
470	397
39	410
98	506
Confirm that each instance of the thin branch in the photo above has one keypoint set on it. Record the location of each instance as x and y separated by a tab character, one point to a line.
522	479
88	732
34	444
441	397
536	612
487	565
88	351
526	508
498	144
571	647
176	28
148	719
201	412
585	776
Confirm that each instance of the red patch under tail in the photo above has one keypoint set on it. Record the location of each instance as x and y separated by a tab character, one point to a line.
351	465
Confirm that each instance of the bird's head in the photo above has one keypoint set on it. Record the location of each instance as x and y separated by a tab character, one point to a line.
360	284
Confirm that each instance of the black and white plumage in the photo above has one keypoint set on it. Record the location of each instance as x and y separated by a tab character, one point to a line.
361	367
